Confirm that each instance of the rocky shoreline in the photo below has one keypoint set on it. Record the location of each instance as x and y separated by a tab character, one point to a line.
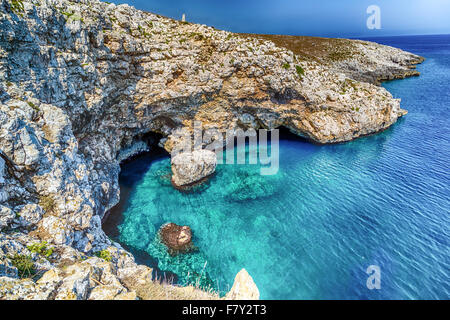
83	82
359	60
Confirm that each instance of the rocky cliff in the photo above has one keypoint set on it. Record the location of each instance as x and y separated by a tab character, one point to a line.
81	85
359	60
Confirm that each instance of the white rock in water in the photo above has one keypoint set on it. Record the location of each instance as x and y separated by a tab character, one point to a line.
191	167
244	288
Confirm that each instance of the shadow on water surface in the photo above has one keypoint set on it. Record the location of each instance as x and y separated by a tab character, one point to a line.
135	168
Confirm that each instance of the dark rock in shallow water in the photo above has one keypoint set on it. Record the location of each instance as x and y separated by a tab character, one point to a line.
190	267
178	239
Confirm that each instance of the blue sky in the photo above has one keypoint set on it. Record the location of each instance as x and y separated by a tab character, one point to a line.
334	18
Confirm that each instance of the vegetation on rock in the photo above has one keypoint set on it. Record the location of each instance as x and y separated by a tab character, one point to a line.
47	203
41	248
24	265
104	254
17	7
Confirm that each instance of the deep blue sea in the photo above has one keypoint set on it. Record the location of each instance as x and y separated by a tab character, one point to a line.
311	231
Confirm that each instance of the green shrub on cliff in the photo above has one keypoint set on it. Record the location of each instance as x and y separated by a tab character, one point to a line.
67	14
47	203
143	32
300	71
32	105
17	7
104	254
24	265
41	248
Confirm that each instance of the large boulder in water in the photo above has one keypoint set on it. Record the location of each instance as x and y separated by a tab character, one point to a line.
178	239
189	168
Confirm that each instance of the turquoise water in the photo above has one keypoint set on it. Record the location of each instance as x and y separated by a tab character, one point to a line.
311	231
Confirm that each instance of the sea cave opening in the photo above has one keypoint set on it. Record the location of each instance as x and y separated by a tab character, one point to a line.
147	196
114	217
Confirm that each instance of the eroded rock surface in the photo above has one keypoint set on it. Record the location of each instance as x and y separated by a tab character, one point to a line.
244	288
360	60
178	239
82	82
191	167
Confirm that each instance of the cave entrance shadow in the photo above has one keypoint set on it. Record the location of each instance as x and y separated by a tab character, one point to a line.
114	217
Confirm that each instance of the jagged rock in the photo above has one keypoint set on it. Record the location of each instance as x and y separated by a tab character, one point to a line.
53	229
176	238
133	150
192	167
126	296
6	216
79	277
23	289
30	214
7	269
243	288
83	279
135	276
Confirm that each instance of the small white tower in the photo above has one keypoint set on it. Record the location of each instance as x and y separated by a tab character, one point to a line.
183	18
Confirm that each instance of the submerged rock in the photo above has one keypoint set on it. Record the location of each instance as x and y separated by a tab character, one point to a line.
247	186
192	167
178	239
190	266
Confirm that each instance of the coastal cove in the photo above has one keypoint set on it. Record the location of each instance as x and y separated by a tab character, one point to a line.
311	231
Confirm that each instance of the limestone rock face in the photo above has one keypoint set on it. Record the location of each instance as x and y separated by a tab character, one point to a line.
359	60
244	288
6	216
177	238
191	167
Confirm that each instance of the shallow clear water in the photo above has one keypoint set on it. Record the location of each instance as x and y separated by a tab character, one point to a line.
311	231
